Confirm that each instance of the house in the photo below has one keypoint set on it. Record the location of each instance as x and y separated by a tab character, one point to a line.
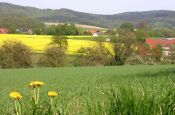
166	44
3	31
30	31
95	32
24	31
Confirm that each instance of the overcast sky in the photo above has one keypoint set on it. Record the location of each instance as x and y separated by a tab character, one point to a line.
99	6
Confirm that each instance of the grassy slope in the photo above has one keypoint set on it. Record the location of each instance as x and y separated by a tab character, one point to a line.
82	84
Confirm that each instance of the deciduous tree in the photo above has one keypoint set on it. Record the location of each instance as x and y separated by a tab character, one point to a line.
60	41
14	54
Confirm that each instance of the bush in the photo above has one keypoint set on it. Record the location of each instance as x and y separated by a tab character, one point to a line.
53	57
93	56
150	61
135	60
14	54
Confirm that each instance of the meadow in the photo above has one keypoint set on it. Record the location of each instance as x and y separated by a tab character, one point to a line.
115	90
38	43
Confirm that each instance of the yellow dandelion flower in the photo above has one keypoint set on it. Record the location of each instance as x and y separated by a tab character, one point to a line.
15	95
36	83
52	94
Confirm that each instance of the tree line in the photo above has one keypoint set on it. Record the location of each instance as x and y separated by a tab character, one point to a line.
143	30
126	49
23	24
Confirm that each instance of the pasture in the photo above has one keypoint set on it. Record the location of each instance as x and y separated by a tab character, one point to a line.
38	43
141	90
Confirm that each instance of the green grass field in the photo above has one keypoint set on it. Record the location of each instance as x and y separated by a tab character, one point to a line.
141	90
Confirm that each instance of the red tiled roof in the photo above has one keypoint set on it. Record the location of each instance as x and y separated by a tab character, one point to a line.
93	31
163	42
3	31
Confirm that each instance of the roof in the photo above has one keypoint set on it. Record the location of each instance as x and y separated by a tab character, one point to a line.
93	31
3	31
163	42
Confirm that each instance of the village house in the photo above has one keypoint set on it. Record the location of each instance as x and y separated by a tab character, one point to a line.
166	44
24	30
30	32
95	32
3	31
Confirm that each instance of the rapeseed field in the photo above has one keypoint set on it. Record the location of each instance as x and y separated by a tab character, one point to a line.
38	43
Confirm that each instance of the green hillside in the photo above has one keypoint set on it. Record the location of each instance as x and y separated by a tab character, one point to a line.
157	19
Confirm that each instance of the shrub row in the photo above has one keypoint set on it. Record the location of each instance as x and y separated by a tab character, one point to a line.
14	54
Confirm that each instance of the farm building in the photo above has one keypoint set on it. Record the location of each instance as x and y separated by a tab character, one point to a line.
95	32
24	30
30	31
3	31
166	44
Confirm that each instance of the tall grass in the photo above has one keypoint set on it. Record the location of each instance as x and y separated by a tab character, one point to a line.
146	94
134	90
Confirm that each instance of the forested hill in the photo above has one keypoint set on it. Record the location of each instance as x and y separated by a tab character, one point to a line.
12	19
157	19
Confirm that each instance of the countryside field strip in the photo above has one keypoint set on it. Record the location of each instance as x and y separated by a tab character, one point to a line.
88	90
38	43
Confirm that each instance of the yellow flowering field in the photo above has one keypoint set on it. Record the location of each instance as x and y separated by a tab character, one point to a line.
38	43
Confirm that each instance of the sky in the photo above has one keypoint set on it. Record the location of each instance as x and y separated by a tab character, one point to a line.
99	6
